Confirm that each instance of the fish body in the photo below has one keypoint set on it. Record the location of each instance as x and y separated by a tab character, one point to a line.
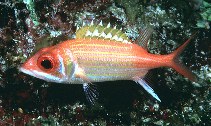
85	60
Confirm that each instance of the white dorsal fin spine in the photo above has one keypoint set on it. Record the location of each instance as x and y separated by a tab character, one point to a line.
109	25
115	37
120	39
125	41
88	33
92	23
83	24
101	23
123	36
118	33
99	31
95	33
103	35
77	27
109	35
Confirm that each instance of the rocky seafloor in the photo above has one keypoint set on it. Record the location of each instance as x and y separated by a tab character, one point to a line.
28	25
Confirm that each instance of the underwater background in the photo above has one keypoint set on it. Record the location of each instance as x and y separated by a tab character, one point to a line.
28	25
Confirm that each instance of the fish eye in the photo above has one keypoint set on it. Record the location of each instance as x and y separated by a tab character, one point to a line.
45	63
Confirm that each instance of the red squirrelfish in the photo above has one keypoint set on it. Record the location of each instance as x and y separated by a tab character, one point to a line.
101	53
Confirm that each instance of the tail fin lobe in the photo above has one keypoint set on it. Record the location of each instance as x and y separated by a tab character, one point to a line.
178	66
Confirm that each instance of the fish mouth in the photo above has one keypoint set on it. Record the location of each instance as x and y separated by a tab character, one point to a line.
29	72
33	73
41	75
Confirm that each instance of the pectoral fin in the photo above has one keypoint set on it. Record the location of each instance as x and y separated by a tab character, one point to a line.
144	84
91	92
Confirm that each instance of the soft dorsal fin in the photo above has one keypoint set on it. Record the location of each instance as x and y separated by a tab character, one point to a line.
102	32
144	37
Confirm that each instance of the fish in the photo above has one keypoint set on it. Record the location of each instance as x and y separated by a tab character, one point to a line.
101	53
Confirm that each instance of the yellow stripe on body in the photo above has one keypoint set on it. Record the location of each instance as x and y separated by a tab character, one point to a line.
104	45
102	53
102	61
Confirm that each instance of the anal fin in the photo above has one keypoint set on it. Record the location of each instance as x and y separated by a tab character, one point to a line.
144	84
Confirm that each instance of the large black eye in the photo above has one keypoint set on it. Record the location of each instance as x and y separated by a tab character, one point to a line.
47	64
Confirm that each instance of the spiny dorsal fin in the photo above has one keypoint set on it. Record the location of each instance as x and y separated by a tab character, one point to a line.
102	32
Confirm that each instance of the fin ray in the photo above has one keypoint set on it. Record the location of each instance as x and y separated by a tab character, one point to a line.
102	32
91	92
177	65
144	37
144	84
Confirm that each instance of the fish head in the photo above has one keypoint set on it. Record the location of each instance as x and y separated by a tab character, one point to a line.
46	64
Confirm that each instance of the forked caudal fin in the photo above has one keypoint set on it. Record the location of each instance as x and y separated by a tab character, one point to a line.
177	65
172	61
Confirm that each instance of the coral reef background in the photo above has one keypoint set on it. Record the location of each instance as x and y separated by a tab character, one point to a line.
28	25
